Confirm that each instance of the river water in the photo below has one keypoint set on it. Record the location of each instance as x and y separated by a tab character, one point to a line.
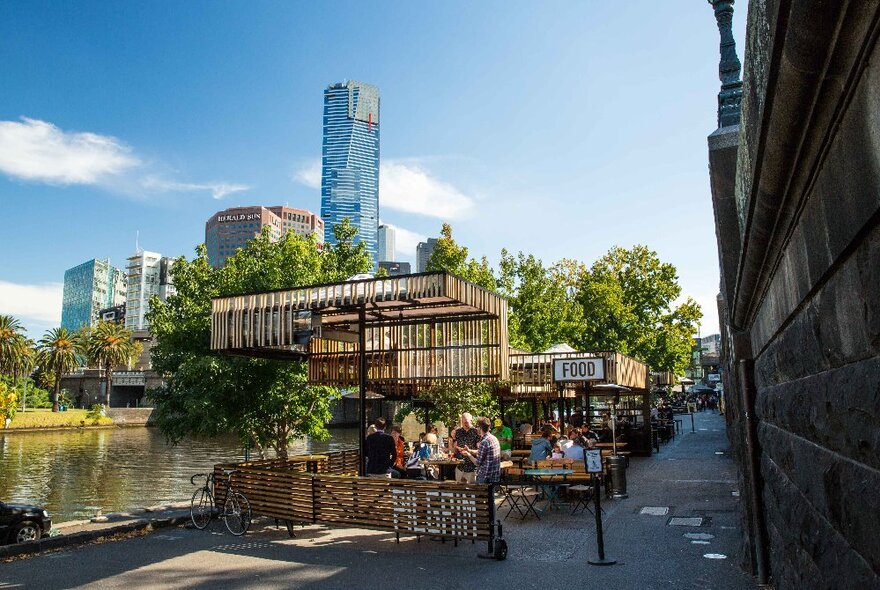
73	474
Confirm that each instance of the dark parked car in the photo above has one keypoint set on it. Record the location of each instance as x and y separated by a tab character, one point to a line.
21	522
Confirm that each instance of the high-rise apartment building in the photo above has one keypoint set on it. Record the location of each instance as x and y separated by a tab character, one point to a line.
350	160
89	288
231	229
423	254
149	273
385	243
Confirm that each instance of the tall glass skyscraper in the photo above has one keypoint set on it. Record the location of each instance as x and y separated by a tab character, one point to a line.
89	288
350	160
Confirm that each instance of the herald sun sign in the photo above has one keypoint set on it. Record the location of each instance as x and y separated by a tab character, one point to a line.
579	369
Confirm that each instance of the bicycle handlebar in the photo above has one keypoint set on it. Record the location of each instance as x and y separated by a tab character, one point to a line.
192	480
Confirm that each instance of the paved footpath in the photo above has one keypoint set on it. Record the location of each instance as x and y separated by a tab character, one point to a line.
688	477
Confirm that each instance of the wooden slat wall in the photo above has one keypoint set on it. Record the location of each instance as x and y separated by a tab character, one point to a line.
404	358
404	506
531	375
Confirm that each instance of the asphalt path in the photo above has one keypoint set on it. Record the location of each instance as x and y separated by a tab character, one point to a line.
691	478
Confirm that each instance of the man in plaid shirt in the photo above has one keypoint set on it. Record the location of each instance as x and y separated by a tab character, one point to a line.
487	456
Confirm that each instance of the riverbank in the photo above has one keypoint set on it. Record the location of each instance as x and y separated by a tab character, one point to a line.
40	419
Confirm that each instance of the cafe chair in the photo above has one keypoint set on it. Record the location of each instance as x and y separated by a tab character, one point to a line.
519	494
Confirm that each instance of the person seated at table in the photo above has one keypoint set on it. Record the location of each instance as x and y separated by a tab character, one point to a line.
438	440
424	450
505	438
380	451
399	466
525	428
576	450
465	436
541	447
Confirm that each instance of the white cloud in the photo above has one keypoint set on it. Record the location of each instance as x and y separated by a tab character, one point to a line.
218	190
405	185
32	303
309	174
405	241
39	151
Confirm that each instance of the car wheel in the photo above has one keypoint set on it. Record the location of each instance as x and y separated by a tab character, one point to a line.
26	531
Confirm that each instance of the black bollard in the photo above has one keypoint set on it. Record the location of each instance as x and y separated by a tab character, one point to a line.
600	539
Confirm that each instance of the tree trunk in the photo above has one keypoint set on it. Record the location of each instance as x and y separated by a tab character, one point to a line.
55	391
109	380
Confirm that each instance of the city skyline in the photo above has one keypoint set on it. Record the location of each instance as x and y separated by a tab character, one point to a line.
219	127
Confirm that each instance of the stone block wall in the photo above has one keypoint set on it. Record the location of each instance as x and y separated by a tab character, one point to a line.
801	290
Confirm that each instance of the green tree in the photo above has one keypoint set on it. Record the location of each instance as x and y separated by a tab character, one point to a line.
628	301
109	345
453	398
58	353
267	403
16	355
449	256
345	259
543	310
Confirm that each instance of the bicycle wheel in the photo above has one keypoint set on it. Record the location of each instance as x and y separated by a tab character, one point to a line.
201	508
237	514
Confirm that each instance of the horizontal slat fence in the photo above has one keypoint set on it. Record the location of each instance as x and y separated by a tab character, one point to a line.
282	489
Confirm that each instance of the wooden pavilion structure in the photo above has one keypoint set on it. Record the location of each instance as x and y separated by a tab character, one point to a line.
392	335
531	378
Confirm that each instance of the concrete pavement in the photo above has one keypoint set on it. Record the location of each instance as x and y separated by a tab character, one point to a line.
686	480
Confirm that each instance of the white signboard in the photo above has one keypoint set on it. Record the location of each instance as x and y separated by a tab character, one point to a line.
594	460
579	369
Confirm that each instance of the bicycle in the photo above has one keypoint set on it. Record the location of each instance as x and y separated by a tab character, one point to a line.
236	508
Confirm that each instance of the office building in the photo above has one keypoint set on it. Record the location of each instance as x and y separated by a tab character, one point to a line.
89	288
230	229
423	254
395	268
385	243
350	160
148	274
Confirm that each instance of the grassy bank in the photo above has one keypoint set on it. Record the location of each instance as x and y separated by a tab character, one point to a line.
50	419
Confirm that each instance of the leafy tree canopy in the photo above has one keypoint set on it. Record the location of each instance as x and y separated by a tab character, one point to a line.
267	403
542	311
453	398
449	256
628	300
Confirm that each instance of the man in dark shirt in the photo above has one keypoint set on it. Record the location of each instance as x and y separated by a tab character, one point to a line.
380	450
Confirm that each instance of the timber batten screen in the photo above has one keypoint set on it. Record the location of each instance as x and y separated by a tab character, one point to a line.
419	329
531	374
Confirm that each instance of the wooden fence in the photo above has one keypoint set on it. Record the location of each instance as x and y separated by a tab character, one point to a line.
279	489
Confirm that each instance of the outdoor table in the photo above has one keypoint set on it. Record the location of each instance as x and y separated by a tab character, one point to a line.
608	445
544	478
441	465
311	461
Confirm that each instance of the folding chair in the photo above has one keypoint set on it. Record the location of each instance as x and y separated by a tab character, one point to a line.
518	494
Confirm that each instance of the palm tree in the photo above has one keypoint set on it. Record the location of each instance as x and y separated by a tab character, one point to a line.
58	354
109	345
14	347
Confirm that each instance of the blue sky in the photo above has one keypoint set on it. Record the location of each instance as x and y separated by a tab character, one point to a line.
556	128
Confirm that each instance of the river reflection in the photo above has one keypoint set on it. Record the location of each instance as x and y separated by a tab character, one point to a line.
76	473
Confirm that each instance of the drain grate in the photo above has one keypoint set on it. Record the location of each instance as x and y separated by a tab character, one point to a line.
655	510
685	521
